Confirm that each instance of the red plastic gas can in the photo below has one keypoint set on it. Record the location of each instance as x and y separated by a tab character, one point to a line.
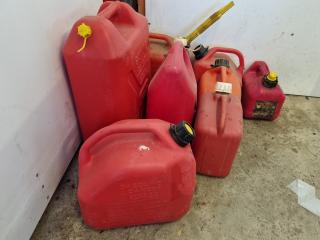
160	45
109	74
172	92
138	171
206	58
262	96
219	131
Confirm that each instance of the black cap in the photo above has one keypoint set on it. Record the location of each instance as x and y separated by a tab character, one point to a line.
200	51
182	133
270	80
221	62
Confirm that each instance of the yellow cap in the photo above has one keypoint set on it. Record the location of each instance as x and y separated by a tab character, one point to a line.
84	31
272	76
189	129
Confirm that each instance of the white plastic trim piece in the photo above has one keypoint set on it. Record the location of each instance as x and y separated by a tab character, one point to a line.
182	40
306	196
224	87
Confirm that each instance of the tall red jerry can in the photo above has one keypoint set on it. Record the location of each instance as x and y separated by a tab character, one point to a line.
172	93
219	132
206	58
160	45
262	96
138	171
108	63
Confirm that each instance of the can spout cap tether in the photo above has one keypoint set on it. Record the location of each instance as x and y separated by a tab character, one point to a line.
85	32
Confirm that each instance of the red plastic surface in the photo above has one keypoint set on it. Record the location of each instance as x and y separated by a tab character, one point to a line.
220	74
109	77
172	92
219	131
159	45
132	172
202	65
254	92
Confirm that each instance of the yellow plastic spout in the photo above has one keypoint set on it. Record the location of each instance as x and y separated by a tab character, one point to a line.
208	22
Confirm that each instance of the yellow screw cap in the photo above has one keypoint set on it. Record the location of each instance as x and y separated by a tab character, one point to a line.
84	31
272	76
188	127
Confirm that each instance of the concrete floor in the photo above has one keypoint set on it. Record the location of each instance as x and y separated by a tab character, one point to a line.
253	202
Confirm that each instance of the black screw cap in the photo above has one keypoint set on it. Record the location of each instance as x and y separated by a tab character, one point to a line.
221	62
268	83
182	133
200	51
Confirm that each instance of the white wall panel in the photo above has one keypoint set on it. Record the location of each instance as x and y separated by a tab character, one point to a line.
39	129
286	34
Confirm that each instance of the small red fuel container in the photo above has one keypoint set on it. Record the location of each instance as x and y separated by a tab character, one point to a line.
137	171
219	131
262	97
172	93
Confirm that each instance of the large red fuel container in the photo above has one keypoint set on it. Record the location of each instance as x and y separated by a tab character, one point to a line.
137	171
219	131
262	96
221	79
159	45
205	59
172	92
108	63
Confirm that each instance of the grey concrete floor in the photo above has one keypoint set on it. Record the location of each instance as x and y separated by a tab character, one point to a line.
253	202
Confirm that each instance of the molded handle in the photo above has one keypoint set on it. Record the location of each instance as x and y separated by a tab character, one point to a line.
102	133
222	101
110	9
259	67
227	50
163	37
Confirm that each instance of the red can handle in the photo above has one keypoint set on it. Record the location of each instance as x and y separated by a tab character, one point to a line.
227	50
163	37
222	102
110	9
259	67
102	133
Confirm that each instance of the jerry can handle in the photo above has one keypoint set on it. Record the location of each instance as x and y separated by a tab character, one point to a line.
222	107
227	50
102	133
165	38
259	67
109	9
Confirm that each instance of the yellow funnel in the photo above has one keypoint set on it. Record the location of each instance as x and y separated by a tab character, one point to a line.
208	22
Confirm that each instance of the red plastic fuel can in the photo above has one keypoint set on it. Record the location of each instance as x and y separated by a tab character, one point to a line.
219	131
205	59
159	45
262	96
172	93
108	63
138	171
